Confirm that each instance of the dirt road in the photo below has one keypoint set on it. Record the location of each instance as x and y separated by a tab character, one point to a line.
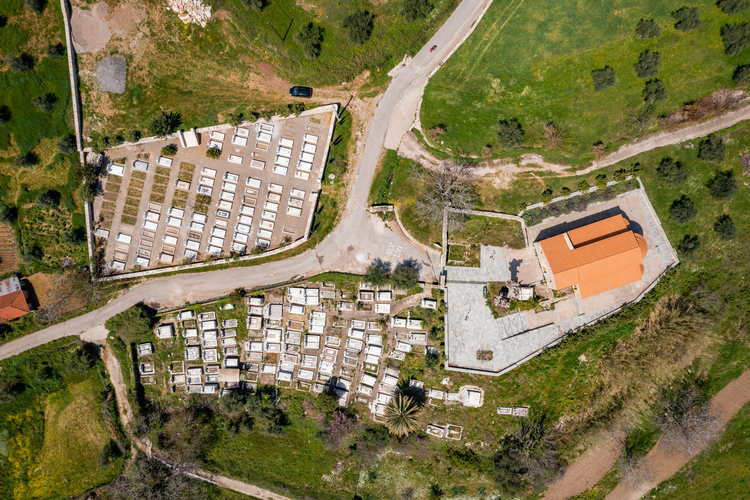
587	470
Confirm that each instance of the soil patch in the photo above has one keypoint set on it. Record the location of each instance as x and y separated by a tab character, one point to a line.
9	259
717	102
90	33
111	73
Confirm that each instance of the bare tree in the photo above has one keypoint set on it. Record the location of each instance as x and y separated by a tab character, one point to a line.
535	447
153	479
687	422
450	184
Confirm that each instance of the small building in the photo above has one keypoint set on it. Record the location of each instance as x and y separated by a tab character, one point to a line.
13	302
596	258
385	296
473	398
145	349
429	304
296	309
229	375
366	296
436	394
193	353
255	301
397	322
417	338
274	312
383	308
414	324
183	315
317	321
188	139
254	323
165	331
312	341
147	368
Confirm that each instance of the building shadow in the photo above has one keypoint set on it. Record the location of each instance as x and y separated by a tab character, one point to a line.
564	227
30	293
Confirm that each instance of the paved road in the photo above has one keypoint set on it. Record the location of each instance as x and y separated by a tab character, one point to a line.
356	241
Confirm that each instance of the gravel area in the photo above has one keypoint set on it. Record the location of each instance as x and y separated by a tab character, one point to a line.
110	74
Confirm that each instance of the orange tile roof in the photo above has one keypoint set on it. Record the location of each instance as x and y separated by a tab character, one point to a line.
13	305
604	255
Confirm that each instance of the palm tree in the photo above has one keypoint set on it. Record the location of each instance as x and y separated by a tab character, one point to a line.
402	415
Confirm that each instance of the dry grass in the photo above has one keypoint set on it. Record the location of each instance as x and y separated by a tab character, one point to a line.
157	198
137	174
135	202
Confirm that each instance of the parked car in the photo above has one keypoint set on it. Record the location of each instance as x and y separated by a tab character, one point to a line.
301	92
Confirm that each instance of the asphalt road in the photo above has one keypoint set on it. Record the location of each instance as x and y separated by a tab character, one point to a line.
357	240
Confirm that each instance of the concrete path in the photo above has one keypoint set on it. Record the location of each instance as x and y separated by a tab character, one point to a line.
661	464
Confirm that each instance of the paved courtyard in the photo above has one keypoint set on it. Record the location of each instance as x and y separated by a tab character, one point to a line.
515	338
260	194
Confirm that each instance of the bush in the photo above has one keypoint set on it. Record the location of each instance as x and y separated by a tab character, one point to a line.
32	253
689	245
415	9
682	210
723	185
671	172
327	402
736	37
3	21
725	228
583	186
603	78
733	7
133	135
55	50
37	6
256	5
214	153
165	123
45	102
310	37
5	115
359	26
687	19
26	160
654	91
236	118
67	145
601	181
648	64
75	237
8	213
546	195
510	133
169	150
22	63
431	360
131	324
741	74
647	28
48	199
712	149
464	458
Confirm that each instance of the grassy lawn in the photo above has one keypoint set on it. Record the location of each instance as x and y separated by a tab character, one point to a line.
720	472
532	61
53	424
203	73
490	231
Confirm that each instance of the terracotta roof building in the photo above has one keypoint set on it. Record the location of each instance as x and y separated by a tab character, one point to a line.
13	302
597	257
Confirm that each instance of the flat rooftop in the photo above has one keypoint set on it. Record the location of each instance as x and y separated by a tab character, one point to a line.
515	338
261	192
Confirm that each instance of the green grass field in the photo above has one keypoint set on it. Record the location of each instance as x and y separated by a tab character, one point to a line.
533	61
203	73
52	427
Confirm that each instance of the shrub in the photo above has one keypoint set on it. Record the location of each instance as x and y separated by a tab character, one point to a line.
67	145
689	245
431	360
32	253
48	199
415	9
133	135
741	74
647	28
164	123
214	153
682	210
327	402
583	186
510	133
464	458
37	6
22	63
359	26
406	274
26	160
236	118
237	294
3	21
310	37
8	213
648	64
671	171
733	7
45	102
169	150
687	19
654	91
55	50
712	149
723	185
603	78
736	37
725	228
5	115
75	237
546	195
256	5
601	181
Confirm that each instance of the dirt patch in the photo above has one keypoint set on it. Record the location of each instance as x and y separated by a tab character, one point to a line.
90	33
125	19
9	258
110	74
221	15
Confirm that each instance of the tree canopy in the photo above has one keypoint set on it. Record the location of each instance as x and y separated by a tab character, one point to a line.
310	38
359	26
